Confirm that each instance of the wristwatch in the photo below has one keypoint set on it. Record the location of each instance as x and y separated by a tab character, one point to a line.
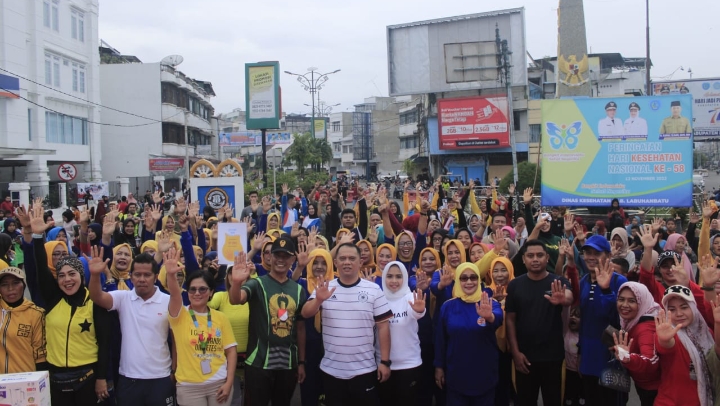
386	363
708	288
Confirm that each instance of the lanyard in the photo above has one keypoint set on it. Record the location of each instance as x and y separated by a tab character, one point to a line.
202	339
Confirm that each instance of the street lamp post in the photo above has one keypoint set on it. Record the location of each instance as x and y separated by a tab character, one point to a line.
648	89
312	82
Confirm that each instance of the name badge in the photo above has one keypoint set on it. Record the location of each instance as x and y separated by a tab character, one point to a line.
205	367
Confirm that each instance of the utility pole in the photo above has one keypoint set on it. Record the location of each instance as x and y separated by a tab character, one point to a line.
648	89
187	154
504	65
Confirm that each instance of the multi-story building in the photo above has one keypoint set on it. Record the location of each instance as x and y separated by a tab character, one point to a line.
162	102
48	53
339	128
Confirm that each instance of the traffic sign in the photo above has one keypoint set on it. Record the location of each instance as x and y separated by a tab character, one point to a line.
67	172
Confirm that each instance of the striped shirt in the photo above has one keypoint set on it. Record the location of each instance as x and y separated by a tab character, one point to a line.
348	323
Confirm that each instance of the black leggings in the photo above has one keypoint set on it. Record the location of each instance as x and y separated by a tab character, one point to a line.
401	388
85	396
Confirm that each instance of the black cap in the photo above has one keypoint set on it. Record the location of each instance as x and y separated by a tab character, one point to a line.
283	244
684	88
611	105
665	88
675	103
634	105
666	255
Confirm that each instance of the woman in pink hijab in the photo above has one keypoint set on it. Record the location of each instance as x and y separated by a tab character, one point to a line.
636	341
677	242
131	198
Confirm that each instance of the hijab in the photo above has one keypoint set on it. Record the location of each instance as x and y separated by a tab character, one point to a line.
372	264
162	276
460	247
152	244
49	247
510	231
670	246
274	214
264	264
120	276
397	245
404	288
199	253
508	266
121	237
393	254
645	301
697	340
5	244
431	250
622	233
312	282
77	298
6	224
97	229
131	198
341	230
457	288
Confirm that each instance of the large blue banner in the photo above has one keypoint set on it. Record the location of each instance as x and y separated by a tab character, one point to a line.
637	149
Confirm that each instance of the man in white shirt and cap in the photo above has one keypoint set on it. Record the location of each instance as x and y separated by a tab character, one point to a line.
610	126
635	125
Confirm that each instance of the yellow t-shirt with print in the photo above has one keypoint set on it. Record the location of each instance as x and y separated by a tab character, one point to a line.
190	356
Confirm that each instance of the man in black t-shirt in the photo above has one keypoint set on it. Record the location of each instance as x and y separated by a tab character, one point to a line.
534	307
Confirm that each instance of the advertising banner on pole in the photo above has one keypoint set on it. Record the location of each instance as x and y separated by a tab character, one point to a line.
638	150
253	138
473	122
706	103
320	128
262	95
232	238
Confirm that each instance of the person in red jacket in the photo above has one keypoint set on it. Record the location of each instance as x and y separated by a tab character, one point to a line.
7	207
682	339
671	271
635	344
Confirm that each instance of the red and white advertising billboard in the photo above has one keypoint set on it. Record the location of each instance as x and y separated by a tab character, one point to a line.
473	122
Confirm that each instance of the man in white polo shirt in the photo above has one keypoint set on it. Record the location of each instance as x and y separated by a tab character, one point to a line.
145	360
351	308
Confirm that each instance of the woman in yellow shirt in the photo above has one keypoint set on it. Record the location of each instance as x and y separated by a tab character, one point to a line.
204	339
239	318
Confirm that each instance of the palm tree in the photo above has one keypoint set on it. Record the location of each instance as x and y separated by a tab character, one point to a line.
301	152
323	151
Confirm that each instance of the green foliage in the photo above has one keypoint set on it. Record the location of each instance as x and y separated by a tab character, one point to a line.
408	166
526	178
306	150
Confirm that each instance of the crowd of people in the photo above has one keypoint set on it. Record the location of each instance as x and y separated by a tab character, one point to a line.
447	298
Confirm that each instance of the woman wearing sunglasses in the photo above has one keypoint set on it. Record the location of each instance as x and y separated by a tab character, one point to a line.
465	338
206	353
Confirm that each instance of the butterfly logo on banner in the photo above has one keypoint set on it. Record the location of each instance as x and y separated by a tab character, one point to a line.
564	135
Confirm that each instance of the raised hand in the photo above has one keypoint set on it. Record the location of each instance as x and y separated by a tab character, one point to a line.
664	329
164	241
322	290
302	255
285	188
709	271
108	225
681	275
528	196
194	208
156	212
38	202
511	189
347	238
694	217
171	260
240	271
372	236
37	223
367	274
295	230
656	224
418	302
184	222
266	204
259	241
422	281
569	222
484	308
621	343
84	217
716	309
96	264
707	210
446	278
604	274
23	216
180	205
500	293
500	242
558	293
648	236
156	198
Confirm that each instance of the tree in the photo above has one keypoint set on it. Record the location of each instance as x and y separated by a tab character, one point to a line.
323	152
526	178
408	166
301	152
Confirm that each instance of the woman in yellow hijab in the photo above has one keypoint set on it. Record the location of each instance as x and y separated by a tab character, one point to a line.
120	268
384	254
320	265
502	272
55	250
162	278
465	338
367	256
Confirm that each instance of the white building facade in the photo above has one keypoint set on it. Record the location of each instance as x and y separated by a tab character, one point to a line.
53	117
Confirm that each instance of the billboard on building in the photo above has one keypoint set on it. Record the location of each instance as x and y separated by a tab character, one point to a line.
262	95
169	167
473	122
455	53
9	87
96	189
706	103
638	150
253	138
320	128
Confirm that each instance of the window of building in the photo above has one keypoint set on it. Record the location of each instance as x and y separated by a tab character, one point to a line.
30	124
335	126
82	79
408	117
55	16
173	134
346	149
336	147
409	143
77	25
516	120
56	71
48	70
46	14
75	77
62	129
535	132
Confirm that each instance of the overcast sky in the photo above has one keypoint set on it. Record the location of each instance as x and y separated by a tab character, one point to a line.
217	37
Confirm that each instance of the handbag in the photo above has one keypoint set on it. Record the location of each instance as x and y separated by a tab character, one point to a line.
71	381
615	377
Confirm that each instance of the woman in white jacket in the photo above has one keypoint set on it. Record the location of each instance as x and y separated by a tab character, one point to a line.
407	308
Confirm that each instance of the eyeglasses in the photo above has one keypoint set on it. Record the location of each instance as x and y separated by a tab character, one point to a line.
59	254
405	244
266	252
472	278
201	290
437	239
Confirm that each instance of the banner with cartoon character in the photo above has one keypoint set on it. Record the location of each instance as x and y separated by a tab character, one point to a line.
232	239
635	149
